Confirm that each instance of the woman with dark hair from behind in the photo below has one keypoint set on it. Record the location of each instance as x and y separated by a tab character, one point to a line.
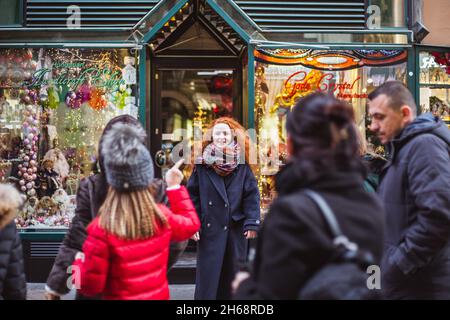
295	242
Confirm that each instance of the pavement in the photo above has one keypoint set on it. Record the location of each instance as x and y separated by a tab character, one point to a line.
177	292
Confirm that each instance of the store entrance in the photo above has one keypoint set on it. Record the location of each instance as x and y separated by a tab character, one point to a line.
183	104
197	62
186	100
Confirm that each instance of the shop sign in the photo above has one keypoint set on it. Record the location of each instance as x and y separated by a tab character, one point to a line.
107	78
300	82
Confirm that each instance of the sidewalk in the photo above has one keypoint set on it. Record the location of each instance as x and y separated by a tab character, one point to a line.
177	292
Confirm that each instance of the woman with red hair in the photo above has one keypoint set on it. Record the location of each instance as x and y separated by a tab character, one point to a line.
226	197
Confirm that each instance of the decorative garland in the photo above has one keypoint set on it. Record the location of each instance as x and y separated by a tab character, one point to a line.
28	155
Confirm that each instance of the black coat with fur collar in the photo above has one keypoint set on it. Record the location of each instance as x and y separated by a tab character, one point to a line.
294	241
12	277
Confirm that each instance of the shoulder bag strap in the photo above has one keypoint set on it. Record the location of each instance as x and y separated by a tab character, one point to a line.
330	218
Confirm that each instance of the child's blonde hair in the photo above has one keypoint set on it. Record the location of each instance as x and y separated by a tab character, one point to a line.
131	215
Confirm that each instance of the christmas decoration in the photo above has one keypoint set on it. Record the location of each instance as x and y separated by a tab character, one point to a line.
16	67
119	98
442	58
129	72
53	98
75	91
73	100
84	93
97	100
28	155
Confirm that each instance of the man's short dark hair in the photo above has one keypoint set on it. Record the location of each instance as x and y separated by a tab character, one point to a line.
397	94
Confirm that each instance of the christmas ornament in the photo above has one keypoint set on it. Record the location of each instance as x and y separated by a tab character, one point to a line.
53	98
85	93
28	167
97	100
129	72
72	100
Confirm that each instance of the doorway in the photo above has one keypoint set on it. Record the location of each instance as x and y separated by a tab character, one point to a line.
189	99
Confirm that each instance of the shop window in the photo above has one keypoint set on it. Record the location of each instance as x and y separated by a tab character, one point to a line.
283	76
54	104
435	84
11	14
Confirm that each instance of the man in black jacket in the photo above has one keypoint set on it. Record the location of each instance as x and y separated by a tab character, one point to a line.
415	189
12	277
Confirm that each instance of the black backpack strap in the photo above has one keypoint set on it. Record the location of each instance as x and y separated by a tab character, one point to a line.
330	218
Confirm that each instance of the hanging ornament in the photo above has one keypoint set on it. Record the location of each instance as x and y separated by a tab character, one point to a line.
53	98
97	100
72	100
25	99
33	65
130	106
129	72
28	167
34	97
62	92
120	99
85	93
29	54
43	94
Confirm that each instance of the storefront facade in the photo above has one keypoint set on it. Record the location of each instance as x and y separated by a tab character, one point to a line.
178	67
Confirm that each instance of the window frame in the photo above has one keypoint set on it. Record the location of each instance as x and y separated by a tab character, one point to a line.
20	22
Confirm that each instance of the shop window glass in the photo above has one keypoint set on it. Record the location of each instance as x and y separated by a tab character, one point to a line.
349	75
435	84
54	104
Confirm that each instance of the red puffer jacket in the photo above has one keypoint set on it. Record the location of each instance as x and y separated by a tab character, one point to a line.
134	269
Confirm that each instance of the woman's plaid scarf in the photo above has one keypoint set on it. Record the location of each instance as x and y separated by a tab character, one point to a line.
223	161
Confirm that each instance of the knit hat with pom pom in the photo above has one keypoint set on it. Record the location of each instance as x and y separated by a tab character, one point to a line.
128	164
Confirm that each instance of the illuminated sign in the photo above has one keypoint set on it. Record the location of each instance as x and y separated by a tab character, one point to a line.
301	81
107	78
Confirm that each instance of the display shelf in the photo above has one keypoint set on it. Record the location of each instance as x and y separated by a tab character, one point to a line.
48	234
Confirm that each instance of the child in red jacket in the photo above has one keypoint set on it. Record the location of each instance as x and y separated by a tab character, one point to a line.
126	252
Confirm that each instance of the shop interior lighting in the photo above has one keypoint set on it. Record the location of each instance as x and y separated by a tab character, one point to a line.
213	73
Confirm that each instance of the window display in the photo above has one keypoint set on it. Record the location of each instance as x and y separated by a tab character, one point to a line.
283	76
54	104
435	84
